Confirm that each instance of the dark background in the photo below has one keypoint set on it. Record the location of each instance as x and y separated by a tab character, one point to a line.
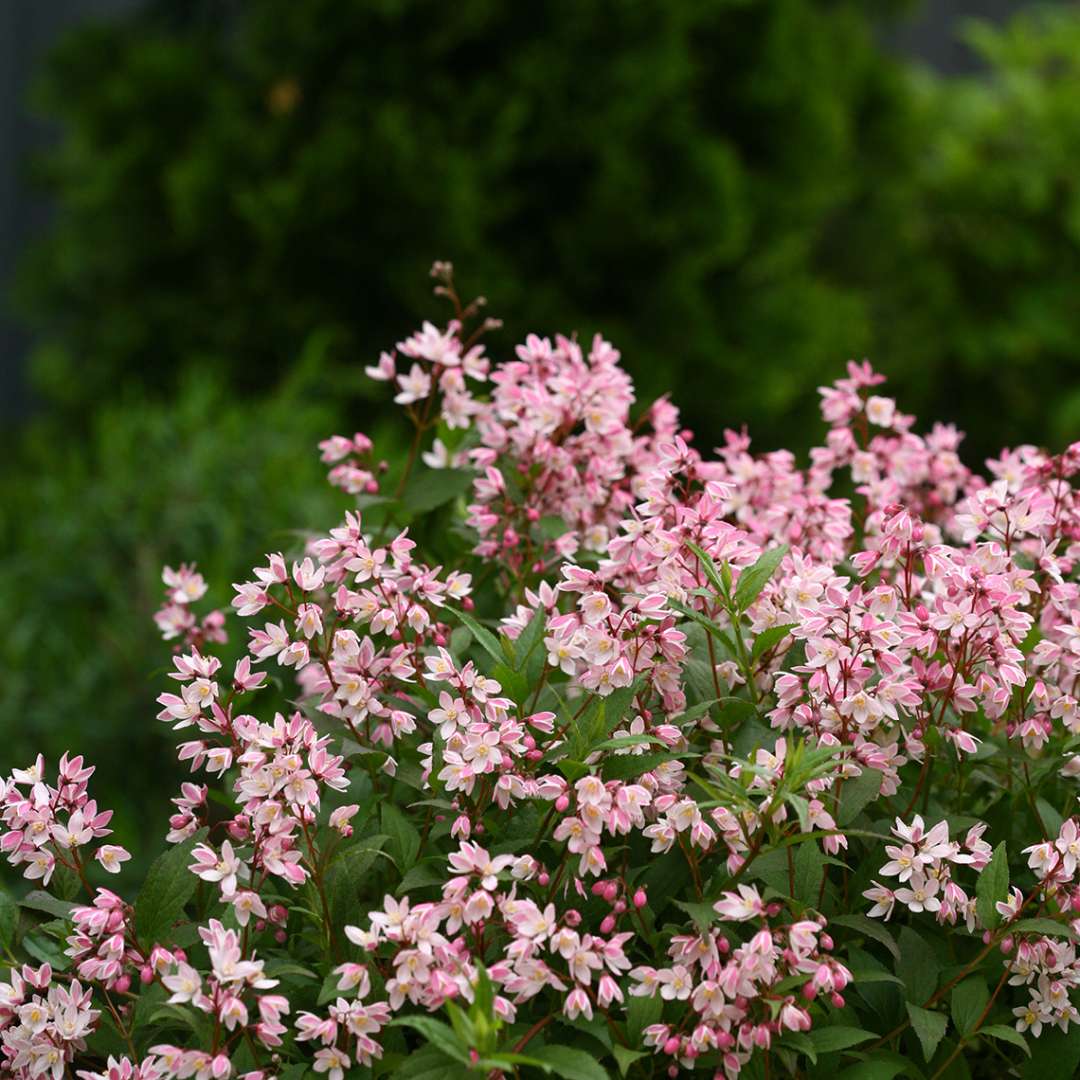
215	213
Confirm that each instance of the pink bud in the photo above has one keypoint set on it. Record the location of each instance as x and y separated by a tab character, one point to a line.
543	879
611	890
987	937
608	924
123	984
838	1000
640	899
532	514
260	925
1007	944
724	946
573	917
468	604
561	803
146	975
671	1047
598	888
620	907
371	487
825	942
281	937
809	991
534	755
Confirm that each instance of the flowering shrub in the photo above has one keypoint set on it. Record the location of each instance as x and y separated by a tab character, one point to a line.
644	762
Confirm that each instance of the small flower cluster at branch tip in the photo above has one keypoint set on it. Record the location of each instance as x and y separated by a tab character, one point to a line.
572	740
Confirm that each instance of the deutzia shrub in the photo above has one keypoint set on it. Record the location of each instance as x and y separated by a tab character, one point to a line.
576	749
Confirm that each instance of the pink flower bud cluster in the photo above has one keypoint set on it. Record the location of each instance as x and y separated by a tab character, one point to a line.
47	825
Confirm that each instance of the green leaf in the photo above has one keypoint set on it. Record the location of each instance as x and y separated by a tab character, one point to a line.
754	578
45	949
967	1002
769	639
625	1057
43	901
701	620
1041	925
295	1071
404	844
482	635
1055	1055
284	969
432	488
874	975
568	1063
1006	1034
710	568
430	1063
857	794
9	921
347	877
992	887
801	1044
917	965
641	1012
884	1065
703	915
438	1034
629	765
809	872
928	1026
868	928
736	710
529	639
168	886
424	875
513	682
839	1037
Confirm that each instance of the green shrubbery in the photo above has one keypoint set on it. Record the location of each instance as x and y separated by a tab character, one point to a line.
679	175
86	526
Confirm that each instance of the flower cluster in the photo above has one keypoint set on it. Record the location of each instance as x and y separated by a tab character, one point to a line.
49	825
598	762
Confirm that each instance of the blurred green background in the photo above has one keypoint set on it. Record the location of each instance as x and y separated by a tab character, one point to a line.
742	194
